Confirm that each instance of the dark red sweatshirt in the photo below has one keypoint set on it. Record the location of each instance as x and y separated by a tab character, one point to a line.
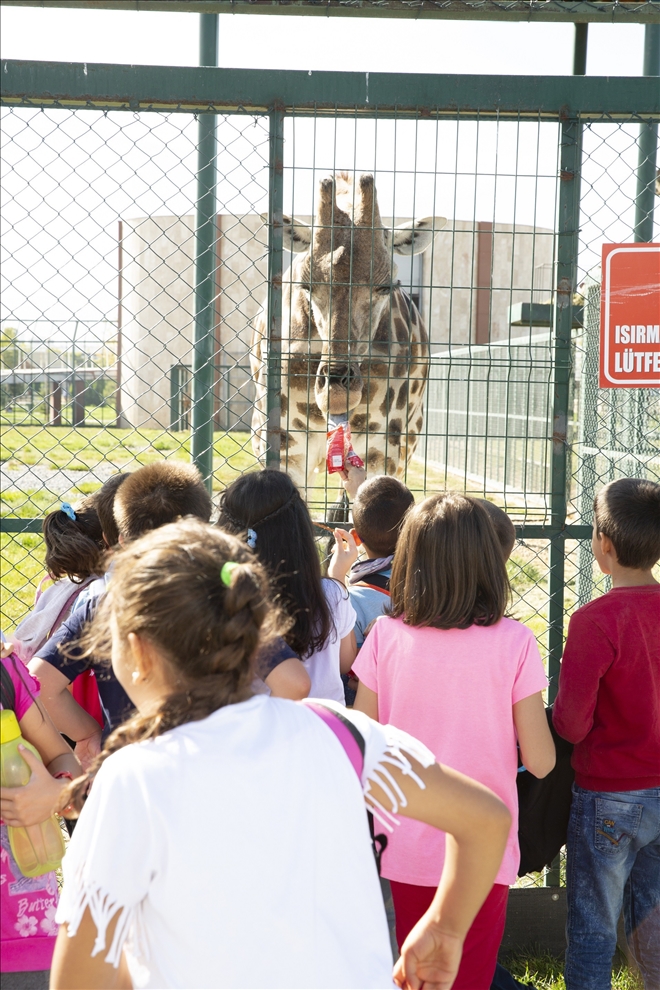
608	702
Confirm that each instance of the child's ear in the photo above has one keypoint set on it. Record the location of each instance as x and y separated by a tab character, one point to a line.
606	545
140	655
355	536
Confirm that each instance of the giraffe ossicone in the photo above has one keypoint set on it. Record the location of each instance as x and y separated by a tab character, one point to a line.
354	345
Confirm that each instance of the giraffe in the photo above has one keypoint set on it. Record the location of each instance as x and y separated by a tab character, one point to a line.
354	345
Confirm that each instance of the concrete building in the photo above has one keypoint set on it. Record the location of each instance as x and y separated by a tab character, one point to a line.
464	285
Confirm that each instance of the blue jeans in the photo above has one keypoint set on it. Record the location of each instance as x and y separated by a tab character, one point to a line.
613	861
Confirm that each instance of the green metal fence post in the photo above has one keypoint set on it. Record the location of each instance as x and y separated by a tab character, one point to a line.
648	145
580	50
205	237
275	225
567	250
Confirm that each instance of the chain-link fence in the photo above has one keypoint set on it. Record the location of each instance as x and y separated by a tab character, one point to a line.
183	277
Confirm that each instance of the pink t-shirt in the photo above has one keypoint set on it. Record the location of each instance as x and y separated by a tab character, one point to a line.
454	690
28	904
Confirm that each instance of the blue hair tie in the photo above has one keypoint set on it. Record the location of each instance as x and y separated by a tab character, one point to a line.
251	539
68	510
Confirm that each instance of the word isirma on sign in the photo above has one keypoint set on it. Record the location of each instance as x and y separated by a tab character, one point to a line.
630	316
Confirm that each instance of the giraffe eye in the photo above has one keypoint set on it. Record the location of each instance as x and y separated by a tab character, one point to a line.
384	290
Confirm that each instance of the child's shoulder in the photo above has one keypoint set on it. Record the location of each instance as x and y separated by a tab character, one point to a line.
617	602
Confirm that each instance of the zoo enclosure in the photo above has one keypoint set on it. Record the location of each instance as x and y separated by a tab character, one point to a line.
513	408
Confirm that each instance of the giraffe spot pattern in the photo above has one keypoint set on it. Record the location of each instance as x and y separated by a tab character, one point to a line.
311	411
395	432
402	397
386	404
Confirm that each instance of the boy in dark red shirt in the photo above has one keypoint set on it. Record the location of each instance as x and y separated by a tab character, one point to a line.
608	705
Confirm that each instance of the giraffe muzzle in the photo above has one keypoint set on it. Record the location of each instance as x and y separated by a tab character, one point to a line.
338	387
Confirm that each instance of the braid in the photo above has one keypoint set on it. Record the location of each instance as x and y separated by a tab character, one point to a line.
167	588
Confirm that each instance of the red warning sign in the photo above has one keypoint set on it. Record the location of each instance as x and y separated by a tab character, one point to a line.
630	316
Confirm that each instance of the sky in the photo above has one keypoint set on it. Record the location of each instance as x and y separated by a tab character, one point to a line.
270	42
70	177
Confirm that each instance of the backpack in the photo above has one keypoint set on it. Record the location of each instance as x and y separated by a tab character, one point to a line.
352	743
7	689
544	808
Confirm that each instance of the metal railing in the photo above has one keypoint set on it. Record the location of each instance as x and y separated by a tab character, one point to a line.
157	198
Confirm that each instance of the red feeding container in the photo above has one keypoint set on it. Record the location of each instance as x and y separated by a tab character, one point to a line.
339	452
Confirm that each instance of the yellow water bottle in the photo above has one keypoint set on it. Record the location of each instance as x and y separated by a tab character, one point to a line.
39	848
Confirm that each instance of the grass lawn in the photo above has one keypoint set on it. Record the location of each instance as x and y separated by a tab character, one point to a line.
87	449
546	973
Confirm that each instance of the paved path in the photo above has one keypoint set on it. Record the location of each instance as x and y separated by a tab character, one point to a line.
55	480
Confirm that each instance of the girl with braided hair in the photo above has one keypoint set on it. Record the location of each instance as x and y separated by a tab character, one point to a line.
224	842
266	508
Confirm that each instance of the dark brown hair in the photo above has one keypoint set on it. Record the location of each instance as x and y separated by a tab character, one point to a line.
167	588
158	494
269	504
379	509
74	547
104	500
628	512
449	571
504	528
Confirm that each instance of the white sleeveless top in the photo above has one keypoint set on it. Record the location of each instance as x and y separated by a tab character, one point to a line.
237	851
323	666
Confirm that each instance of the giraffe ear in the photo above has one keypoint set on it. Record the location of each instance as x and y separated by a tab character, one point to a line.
296	235
416	236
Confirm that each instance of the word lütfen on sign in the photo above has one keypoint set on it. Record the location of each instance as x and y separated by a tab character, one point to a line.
630	351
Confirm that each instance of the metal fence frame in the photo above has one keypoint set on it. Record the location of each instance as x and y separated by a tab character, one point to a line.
209	90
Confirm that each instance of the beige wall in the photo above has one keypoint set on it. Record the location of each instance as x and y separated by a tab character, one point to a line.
157	313
449	297
158	301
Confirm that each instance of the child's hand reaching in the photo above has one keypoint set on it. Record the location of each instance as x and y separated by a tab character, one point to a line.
430	958
352	479
37	800
344	555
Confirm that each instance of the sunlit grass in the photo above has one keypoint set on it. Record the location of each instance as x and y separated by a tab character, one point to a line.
547	973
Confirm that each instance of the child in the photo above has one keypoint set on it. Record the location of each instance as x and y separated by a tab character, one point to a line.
150	497
27	923
447	665
267	507
105	507
249	862
608	705
104	501
379	509
74	550
505	531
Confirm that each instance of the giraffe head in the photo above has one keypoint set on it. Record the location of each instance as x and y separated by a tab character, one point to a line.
348	275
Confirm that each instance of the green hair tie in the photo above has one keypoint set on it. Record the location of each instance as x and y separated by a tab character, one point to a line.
227	571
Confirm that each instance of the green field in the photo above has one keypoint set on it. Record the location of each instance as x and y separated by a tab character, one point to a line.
91	448
546	973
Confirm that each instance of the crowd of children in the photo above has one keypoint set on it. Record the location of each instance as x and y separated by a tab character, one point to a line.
164	677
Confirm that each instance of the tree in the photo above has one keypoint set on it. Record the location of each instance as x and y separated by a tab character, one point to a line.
10	352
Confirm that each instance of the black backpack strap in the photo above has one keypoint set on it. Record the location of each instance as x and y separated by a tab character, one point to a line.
7	689
378	842
334	719
378	581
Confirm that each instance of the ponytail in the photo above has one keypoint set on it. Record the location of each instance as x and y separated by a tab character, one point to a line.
207	621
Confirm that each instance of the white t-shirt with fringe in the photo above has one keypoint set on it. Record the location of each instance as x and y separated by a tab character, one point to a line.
236	851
